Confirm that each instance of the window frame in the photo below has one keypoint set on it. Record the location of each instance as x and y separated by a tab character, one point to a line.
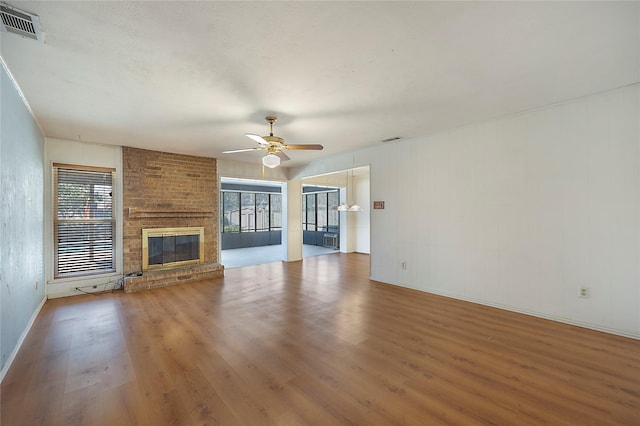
241	226
314	227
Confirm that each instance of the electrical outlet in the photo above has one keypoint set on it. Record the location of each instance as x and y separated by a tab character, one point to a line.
403	265
584	292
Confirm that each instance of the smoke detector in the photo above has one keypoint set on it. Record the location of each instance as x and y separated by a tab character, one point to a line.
20	22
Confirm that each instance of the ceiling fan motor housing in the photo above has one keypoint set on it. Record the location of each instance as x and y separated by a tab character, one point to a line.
274	140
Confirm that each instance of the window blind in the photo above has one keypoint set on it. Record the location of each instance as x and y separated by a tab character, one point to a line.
84	224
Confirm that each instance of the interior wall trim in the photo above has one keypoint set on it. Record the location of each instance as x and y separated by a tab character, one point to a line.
537	314
24	99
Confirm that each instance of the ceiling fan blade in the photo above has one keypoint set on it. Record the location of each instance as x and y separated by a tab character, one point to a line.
314	147
233	151
257	138
282	155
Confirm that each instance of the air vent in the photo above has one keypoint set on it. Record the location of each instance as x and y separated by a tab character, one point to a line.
20	22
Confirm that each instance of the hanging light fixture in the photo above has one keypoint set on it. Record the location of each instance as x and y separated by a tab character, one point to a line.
345	207
355	207
271	160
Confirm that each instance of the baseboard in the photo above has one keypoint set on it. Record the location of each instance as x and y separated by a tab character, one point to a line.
83	285
542	315
12	355
596	327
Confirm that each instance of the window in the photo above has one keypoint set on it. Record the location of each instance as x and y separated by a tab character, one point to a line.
311	212
275	203
248	212
84	224
262	212
230	212
333	217
319	211
251	212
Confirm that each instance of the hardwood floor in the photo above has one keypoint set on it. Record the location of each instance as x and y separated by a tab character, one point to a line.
312	342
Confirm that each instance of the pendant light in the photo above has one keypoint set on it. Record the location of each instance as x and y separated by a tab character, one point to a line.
345	207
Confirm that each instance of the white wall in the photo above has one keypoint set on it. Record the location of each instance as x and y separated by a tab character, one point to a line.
85	154
292	220
362	220
243	170
517	212
22	290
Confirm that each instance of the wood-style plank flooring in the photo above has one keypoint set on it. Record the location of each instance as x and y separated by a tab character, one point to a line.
312	343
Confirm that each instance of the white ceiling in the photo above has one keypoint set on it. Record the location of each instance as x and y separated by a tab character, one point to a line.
193	77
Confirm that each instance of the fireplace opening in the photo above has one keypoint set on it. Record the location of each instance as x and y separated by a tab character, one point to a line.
164	248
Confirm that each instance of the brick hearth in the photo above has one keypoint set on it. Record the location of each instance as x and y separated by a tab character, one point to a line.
156	279
164	190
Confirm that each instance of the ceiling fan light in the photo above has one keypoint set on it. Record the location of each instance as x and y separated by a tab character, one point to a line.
271	160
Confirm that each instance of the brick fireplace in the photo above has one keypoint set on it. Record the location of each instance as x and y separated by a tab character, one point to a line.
164	190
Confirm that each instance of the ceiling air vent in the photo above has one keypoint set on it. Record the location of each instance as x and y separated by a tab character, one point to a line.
20	22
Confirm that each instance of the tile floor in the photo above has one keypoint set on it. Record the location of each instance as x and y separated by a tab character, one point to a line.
237	258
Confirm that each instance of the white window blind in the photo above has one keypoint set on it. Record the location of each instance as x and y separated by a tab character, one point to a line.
84	224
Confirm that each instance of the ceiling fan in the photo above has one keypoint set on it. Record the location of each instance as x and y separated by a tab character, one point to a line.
274	146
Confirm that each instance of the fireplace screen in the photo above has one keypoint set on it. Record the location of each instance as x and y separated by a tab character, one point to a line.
171	247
